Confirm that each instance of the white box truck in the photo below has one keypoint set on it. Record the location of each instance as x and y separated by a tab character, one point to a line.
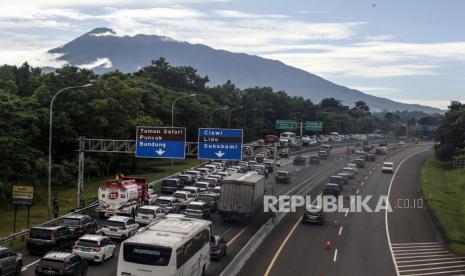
241	195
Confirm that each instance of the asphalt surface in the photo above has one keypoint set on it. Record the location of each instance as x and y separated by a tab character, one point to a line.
350	243
237	234
417	246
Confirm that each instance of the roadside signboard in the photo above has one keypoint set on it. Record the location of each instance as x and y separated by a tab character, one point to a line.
22	195
314	125
286	124
220	144
161	142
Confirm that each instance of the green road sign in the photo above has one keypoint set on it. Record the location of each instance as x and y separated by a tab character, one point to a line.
286	124
314	125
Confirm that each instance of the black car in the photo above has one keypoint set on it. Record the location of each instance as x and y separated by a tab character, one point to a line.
170	185
370	157
314	159
330	190
283	177
284	153
299	160
218	247
80	224
61	263
337	179
313	214
44	239
10	262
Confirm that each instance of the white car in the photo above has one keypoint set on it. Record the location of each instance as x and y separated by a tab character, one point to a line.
94	248
183	197
119	227
203	185
195	191
388	167
148	214
217	190
152	196
231	171
349	171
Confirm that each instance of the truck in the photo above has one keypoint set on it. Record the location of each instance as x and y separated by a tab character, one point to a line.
241	195
123	196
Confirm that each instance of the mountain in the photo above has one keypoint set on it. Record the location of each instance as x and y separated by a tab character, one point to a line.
102	50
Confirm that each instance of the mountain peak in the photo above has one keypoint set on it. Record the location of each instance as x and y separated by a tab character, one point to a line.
102	31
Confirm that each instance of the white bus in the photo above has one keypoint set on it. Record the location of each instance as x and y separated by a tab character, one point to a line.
175	246
286	137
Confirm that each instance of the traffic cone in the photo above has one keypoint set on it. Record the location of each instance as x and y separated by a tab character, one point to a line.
328	245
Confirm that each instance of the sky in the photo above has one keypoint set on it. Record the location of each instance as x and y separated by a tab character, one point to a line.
410	51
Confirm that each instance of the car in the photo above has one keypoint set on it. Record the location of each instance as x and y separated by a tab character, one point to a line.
323	155
313	214
370	157
299	160
269	165
284	153
198	209
344	176
314	159
196	175
147	214
351	172
170	185
95	248
260	169
204	185
195	191
211	199
223	174
360	163
43	239
152	196
218	247
217	190
388	167
11	262
183	197
168	204
283	177
260	157
232	171
61	263
120	227
186	179
337	179
204	171
353	166
80	224
212	180
332	190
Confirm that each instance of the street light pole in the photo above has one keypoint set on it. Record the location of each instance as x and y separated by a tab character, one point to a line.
213	111
229	114
245	112
172	118
50	132
261	121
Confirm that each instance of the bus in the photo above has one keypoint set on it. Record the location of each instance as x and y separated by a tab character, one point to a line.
286	137
174	246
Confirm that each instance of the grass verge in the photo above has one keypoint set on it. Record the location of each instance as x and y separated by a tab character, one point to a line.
67	197
444	190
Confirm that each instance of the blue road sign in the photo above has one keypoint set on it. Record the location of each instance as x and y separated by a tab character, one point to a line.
161	142
220	144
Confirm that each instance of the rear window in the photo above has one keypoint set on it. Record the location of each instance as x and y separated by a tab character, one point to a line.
282	174
162	202
87	243
71	221
179	195
52	263
388	165
205	198
195	207
146	211
118	224
147	254
42	234
169	183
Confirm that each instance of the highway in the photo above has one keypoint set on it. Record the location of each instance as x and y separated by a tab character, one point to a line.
358	242
238	233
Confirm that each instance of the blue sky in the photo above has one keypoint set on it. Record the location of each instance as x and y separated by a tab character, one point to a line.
411	51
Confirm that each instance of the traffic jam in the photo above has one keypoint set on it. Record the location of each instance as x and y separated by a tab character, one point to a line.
166	227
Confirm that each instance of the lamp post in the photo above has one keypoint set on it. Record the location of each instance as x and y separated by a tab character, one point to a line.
245	113
261	121
50	131
172	118
229	114
213	111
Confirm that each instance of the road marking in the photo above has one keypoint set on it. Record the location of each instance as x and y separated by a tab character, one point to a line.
446	254
358	191
416	243
366	177
352	200
417	246
236	236
347	212
437	272
29	265
386	212
340	230
335	255
432	268
363	183
275	257
370	172
427	264
417	249
435	259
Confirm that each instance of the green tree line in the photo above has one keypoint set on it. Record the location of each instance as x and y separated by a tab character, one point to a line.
117	102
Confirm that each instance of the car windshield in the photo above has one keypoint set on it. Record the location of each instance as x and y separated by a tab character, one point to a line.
52	263
146	254
205	198
194	207
43	234
71	221
282	173
169	183
388	165
180	196
162	202
87	243
112	223
146	211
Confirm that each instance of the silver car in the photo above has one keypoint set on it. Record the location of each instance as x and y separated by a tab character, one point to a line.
11	262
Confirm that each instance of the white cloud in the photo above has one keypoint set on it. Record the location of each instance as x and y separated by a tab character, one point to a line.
238	14
378	90
442	104
384	37
103	61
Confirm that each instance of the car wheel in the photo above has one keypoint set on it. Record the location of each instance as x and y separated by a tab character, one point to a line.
225	251
19	266
103	259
